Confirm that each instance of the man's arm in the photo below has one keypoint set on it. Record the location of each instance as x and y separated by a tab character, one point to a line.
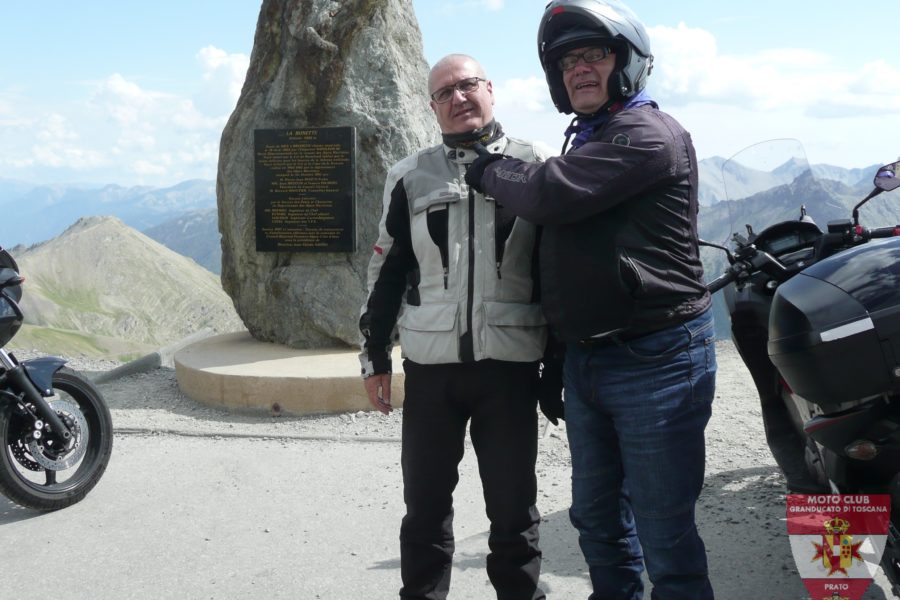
391	260
586	181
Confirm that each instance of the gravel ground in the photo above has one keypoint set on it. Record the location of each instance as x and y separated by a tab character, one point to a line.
740	514
152	402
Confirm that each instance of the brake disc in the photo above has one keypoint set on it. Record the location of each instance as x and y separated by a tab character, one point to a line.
20	453
47	455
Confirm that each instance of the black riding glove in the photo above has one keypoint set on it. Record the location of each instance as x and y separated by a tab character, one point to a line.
550	386
549	393
476	170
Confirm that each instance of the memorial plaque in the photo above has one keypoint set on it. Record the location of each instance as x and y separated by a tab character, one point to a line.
305	183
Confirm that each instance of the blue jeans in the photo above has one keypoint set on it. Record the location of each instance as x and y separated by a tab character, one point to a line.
635	416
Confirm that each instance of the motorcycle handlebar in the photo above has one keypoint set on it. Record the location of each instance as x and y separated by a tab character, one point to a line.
884	232
719	282
762	261
754	261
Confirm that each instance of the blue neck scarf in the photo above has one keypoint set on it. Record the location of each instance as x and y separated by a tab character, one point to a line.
583	127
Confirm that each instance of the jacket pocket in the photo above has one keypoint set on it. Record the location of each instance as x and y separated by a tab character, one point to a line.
428	333
629	274
514	332
434	199
436	209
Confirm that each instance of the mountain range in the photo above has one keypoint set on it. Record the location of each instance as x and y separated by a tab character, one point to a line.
194	234
35	213
762	198
144	274
184	217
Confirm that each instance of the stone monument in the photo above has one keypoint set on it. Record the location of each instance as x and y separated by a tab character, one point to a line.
316	66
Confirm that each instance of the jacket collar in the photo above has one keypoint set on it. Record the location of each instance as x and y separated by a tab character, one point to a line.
467	155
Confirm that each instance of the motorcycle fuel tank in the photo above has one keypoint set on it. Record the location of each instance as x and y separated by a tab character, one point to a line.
834	328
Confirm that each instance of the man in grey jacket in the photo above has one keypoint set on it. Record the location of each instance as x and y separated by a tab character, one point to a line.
459	271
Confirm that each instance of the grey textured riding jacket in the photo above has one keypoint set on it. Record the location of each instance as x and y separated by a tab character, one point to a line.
452	273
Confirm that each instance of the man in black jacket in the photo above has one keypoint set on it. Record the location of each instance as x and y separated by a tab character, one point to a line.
622	284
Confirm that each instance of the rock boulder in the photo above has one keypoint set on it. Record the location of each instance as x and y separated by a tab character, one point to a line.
318	63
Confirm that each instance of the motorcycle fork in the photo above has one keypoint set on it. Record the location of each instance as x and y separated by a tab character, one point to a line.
18	380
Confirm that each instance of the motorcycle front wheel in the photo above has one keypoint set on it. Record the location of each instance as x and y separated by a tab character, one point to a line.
37	474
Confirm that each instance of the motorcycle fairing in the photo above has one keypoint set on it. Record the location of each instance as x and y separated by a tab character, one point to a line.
826	344
40	371
869	273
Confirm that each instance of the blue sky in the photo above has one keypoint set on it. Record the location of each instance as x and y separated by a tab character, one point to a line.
138	93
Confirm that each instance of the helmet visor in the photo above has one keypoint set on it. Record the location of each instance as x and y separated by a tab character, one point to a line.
576	37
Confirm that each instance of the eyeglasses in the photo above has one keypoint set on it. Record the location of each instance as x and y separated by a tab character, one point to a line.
591	55
464	86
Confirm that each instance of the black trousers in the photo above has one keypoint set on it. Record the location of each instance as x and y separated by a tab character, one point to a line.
498	399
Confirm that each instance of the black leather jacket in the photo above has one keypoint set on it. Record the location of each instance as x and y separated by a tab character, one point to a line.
619	250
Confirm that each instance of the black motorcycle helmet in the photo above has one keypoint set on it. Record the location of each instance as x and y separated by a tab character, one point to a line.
569	24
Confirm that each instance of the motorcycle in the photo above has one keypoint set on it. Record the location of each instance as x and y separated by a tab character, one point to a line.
815	317
56	431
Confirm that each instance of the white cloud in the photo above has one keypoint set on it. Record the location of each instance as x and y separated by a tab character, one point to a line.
223	77
121	92
729	101
147	168
529	95
56	129
689	68
873	90
524	108
57	144
123	131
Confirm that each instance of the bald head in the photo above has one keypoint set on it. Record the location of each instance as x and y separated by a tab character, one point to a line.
452	61
466	110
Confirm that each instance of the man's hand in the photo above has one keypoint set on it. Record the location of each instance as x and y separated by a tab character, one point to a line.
378	388
550	386
475	171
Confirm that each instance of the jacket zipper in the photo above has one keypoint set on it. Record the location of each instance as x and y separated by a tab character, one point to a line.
439	229
467	350
499	247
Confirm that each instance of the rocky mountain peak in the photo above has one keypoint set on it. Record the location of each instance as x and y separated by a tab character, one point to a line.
102	279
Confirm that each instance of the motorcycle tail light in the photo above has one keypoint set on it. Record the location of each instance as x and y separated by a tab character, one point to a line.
861	450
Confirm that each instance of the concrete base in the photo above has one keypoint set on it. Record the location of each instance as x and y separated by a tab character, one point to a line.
237	372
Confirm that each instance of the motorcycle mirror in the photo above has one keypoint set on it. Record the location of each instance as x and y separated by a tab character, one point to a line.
887	178
720	247
805	218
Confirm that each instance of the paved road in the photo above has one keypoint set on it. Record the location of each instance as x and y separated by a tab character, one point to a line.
187	517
